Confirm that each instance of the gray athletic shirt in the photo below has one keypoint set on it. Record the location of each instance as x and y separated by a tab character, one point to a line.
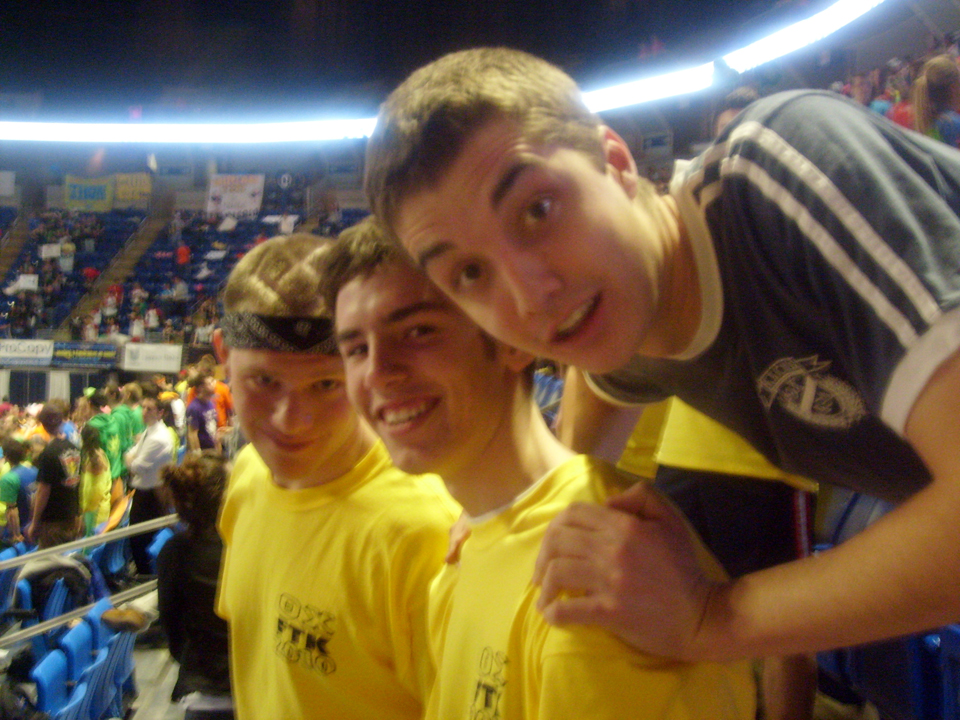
827	243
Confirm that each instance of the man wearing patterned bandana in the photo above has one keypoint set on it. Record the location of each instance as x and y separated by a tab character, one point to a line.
329	549
800	283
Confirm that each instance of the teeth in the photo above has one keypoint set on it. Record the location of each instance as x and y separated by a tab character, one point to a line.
575	319
402	415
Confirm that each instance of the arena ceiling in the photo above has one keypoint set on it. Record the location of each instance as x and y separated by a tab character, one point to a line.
170	59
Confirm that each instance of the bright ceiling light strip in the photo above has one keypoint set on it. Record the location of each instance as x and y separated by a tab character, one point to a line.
798	35
153	133
680	82
672	84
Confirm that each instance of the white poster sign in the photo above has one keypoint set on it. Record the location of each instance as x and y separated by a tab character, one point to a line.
235	194
26	352
152	357
7	183
28	282
50	250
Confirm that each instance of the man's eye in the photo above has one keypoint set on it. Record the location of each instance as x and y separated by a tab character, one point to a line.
540	209
352	351
468	275
327	384
419	331
263	381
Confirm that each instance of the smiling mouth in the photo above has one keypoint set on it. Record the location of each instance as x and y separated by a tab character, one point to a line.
576	320
394	417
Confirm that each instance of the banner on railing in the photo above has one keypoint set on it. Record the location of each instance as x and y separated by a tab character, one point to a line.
26	352
152	357
88	195
235	194
131	189
102	355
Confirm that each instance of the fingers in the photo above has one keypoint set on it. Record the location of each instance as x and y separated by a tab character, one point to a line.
572	533
641	500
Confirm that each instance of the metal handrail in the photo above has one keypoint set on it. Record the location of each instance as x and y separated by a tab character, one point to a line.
92	541
47	625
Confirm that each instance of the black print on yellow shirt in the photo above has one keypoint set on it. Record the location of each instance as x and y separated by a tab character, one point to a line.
490	684
303	633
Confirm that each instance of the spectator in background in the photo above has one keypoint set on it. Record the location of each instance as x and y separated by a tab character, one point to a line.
56	507
137	327
203	332
144	460
936	99
151	319
188	570
202	415
96	484
16	488
183	256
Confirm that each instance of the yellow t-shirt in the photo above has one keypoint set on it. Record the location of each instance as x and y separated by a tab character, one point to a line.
673	433
95	492
325	590
498	658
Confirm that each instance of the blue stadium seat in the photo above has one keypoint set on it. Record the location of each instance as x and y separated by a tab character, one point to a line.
153	550
101	691
74	709
6	580
100	632
77	645
50	675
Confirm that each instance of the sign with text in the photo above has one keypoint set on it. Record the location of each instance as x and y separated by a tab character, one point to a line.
85	354
131	189
152	357
88	195
235	194
26	352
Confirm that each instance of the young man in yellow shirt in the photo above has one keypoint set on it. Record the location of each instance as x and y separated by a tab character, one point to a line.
446	398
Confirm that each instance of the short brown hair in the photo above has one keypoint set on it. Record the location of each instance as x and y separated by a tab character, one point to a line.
426	121
279	277
358	251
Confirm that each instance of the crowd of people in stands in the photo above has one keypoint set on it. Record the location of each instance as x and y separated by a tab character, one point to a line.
103	454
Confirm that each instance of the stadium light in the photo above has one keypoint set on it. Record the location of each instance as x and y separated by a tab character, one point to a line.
680	82
799	35
214	133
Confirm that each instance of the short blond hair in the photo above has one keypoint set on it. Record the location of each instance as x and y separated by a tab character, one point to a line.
280	277
427	120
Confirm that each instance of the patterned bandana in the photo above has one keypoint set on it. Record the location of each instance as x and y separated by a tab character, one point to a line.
249	331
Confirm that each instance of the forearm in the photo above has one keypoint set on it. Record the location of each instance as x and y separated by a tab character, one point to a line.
40	498
588	424
899	576
193	440
13	521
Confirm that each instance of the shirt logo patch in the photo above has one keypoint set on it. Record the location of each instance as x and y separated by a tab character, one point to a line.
806	391
303	632
489	690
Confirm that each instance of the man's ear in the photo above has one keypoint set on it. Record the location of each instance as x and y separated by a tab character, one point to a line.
619	159
219	347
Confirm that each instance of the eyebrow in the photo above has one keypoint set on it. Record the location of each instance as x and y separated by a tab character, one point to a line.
503	186
396	316
508	180
433	251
